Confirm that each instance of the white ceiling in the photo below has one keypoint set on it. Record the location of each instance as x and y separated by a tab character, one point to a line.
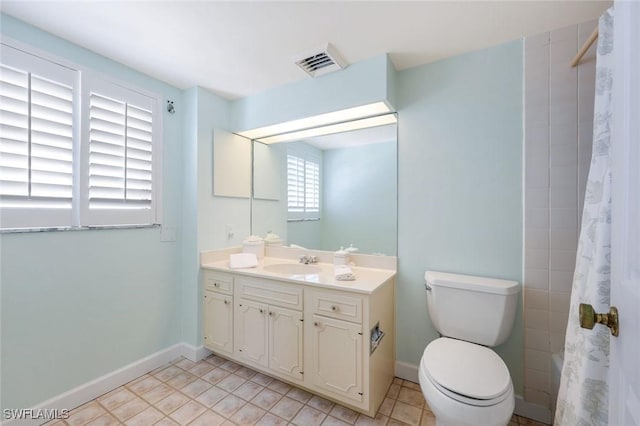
238	48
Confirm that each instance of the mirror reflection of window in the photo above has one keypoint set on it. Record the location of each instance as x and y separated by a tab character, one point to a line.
303	182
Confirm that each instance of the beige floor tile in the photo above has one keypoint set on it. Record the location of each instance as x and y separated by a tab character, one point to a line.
111	401
286	408
188	412
397	381
159	392
230	366
130	409
215	360
172	402
201	368
279	387
299	395
261	379
181	380
387	406
145	418
271	420
343	413
208	418
523	421
309	416
394	422
247	415
185	364
195	388
411	385
215	375
245	373
266	399
406	413
379	420
393	391
144	385
212	396
85	413
227	406
411	397
166	422
332	421
162	367
104	420
321	404
231	383
248	390
168	373
428	419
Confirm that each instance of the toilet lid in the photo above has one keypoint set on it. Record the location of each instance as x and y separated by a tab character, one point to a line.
465	368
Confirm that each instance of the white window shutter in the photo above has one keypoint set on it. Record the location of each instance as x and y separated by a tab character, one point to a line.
303	184
36	141
121	137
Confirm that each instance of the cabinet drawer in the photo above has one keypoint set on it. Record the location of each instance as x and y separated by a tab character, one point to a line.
218	282
336	305
270	292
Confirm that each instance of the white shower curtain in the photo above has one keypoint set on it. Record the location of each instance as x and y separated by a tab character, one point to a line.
583	397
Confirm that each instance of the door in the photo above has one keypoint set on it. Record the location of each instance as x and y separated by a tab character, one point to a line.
624	380
218	322
336	357
285	342
251	332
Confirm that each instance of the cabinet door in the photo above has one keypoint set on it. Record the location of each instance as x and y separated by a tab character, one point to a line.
285	342
251	331
218	322
336	357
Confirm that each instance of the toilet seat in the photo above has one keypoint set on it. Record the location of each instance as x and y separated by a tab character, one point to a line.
466	372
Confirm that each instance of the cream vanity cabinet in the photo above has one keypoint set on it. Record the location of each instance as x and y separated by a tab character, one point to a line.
218	312
268	326
311	336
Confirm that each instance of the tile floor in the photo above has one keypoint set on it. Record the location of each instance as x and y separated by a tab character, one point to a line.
216	391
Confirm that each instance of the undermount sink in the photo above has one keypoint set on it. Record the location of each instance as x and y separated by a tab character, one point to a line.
292	269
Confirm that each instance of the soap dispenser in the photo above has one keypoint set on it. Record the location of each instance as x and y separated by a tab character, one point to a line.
341	257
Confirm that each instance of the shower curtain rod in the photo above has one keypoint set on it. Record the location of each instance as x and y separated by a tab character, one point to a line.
587	44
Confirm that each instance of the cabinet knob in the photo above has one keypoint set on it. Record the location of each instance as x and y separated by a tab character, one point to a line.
316	323
226	302
215	284
270	313
334	308
262	311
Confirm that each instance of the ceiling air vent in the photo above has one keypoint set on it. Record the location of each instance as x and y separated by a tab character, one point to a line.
320	61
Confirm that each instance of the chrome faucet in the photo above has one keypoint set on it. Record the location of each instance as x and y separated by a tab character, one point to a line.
308	259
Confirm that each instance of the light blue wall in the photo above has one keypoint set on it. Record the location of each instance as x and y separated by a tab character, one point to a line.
359	84
359	194
80	304
460	183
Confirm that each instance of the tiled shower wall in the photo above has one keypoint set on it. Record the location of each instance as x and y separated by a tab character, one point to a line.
558	135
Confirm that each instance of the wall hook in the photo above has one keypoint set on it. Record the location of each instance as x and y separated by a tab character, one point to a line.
170	107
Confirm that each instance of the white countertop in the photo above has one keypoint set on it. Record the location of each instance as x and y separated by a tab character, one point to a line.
367	279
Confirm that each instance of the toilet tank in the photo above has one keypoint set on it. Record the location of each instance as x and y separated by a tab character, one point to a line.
476	309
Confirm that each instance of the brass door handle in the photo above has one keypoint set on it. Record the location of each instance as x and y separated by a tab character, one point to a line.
589	318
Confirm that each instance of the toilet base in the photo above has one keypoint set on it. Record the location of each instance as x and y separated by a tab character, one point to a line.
449	412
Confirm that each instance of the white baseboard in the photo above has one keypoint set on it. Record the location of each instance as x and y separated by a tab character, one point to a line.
523	408
93	389
407	371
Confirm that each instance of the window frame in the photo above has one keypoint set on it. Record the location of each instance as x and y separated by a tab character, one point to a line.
81	217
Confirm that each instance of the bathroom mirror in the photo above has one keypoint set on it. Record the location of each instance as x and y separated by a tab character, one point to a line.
328	191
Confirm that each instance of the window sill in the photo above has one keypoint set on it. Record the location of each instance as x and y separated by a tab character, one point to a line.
74	228
306	219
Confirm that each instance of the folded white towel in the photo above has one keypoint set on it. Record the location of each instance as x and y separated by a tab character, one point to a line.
243	260
343	273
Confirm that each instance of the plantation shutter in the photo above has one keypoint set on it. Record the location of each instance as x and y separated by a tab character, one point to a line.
303	184
120	155
36	141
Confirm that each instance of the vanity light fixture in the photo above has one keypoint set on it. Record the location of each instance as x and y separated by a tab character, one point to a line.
347	126
335	117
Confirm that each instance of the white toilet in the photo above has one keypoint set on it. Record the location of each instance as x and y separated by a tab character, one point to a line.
462	379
